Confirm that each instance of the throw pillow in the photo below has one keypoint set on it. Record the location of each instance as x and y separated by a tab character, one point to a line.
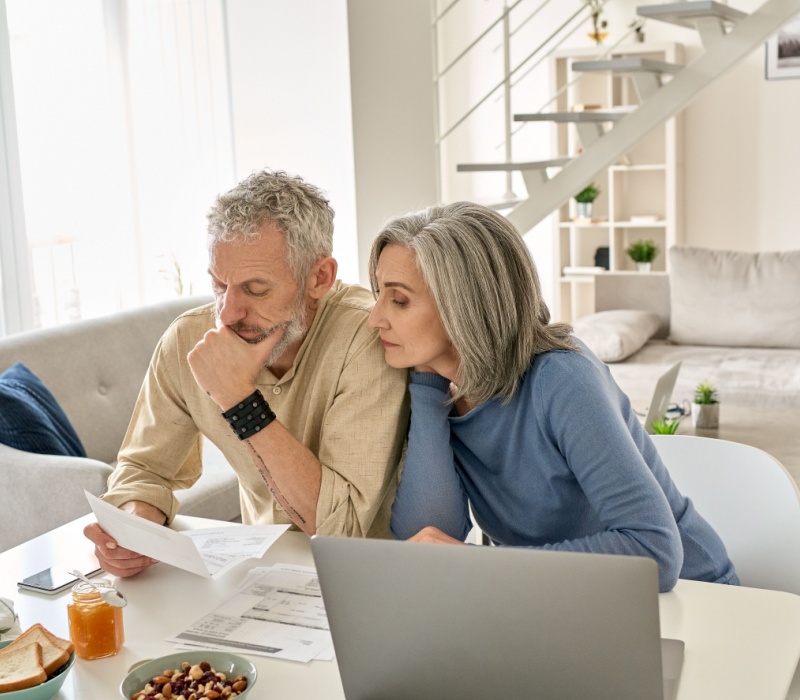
615	335
736	299
30	417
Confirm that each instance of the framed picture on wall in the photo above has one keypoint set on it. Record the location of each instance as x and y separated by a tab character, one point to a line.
783	52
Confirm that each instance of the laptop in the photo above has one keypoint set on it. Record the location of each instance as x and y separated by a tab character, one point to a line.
425	621
661	397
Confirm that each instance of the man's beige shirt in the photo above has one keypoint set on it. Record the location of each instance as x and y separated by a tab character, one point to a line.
340	399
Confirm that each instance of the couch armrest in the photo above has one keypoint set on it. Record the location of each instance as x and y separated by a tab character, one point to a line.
635	290
40	492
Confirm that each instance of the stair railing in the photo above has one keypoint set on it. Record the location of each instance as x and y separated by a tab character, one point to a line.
566	29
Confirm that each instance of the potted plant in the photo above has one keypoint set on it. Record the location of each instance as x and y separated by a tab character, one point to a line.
642	253
705	408
638	29
666	426
585	198
596	9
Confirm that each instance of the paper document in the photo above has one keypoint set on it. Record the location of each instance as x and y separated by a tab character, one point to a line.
275	611
208	552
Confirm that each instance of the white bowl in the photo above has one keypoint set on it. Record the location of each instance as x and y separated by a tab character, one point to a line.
231	665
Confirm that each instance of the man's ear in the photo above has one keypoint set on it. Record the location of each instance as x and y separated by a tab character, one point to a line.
321	277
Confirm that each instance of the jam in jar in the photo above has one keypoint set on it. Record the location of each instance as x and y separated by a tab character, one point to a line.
95	627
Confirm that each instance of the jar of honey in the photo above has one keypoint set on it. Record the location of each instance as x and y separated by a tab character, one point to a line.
95	627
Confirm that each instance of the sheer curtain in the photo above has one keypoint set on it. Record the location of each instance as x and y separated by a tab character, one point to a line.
124	134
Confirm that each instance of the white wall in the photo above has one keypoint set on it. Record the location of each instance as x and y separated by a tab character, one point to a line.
393	113
354	115
290	85
338	92
742	147
741	142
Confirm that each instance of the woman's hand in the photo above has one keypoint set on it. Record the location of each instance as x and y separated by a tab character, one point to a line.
433	535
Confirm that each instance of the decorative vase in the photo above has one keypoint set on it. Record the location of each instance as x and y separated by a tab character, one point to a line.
643	267
584	210
598	37
705	415
639	37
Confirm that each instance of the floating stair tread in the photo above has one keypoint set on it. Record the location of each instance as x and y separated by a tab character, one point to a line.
636	64
572	117
501	203
508	167
682	13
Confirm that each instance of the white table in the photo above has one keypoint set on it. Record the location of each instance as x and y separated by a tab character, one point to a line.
740	642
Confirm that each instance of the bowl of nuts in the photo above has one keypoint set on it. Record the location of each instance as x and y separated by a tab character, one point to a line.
191	675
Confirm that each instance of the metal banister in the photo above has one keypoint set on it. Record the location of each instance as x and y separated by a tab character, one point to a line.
506	80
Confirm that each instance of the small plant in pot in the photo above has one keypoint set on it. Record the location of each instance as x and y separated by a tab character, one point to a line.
585	199
705	408
638	29
598	25
642	253
665	427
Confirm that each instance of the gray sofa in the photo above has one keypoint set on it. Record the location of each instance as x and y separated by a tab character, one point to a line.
731	318
94	368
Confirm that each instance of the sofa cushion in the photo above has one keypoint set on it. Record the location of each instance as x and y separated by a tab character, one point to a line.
734	299
617	334
30	417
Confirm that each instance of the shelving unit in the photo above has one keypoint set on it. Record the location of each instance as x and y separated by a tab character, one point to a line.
640	195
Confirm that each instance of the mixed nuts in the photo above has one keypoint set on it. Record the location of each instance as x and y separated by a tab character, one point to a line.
198	682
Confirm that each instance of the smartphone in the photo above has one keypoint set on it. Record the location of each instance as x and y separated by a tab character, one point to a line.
52	580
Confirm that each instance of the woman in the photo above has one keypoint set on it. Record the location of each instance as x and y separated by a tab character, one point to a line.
511	414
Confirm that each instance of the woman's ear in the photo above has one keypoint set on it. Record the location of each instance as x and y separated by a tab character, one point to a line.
321	277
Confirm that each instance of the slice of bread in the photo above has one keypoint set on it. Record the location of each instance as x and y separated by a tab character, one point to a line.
21	667
55	650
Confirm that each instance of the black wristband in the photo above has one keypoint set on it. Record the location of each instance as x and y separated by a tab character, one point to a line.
249	416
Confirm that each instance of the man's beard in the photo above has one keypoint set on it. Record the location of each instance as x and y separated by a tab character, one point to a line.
295	328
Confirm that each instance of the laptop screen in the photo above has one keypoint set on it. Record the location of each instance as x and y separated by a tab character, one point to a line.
413	620
661	397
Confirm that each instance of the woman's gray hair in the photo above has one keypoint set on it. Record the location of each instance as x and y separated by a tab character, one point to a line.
487	291
296	207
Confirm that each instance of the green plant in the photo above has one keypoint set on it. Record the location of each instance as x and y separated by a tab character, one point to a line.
175	275
665	427
588	194
705	393
596	9
642	251
637	25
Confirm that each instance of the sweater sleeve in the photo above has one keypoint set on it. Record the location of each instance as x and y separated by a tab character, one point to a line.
581	415
430	491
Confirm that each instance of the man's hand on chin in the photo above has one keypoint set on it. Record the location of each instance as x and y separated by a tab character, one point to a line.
225	366
117	560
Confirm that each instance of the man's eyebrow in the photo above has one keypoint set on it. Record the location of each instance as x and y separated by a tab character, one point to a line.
252	280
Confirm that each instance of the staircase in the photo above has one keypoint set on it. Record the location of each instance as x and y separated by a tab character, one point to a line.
728	35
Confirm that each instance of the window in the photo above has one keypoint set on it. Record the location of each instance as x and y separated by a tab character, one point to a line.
124	138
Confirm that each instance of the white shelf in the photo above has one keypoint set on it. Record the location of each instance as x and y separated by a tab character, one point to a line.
641	224
644	183
635	168
577	223
578	279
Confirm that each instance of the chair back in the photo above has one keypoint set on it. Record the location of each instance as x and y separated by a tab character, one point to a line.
749	499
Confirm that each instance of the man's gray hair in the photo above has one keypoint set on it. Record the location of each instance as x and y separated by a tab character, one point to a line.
294	206
487	291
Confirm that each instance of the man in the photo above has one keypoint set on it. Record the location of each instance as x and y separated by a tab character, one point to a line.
282	373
